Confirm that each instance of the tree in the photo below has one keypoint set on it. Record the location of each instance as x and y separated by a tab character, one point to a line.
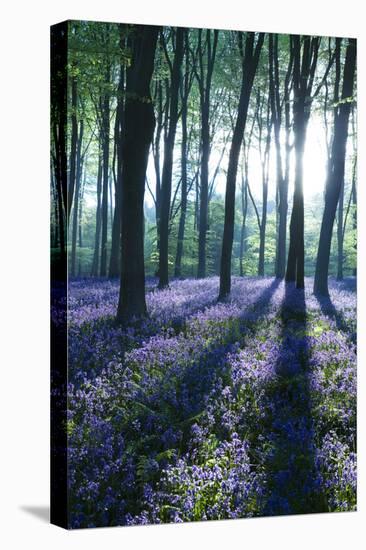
166	180
185	89
115	257
336	168
282	172
250	60
204	78
78	174
137	135
74	141
105	129
305	54
264	156
95	265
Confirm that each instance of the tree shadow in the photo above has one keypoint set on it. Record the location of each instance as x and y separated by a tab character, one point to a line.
261	305
329	310
293	479
169	409
347	283
194	382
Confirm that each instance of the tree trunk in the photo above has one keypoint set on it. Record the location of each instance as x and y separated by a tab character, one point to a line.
244	210
305	60
282	175
156	155
115	258
265	177
249	67
95	265
204	81
137	136
76	199
184	153
73	146
340	234
81	217
166	180
335	176
105	148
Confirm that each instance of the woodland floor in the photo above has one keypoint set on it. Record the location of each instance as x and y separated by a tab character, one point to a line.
207	410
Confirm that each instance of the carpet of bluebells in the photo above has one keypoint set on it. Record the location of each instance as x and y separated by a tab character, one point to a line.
211	410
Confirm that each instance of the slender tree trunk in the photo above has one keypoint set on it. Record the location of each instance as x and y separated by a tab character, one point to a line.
265	178
115	258
184	153
340	234
138	132
295	261
95	266
203	207
80	218
335	176
54	211
156	155
244	210
305	60
282	174
73	146
204	81
105	147
249	67
76	199
166	181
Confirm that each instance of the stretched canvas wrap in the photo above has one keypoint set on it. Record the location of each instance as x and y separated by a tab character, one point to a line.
203	263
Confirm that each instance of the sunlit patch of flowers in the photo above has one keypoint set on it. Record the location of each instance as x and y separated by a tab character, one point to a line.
208	410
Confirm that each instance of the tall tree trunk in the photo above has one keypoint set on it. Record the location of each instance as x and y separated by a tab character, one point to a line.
183	207
80	218
76	199
305	60
166	180
340	234
204	81
156	155
95	265
244	210
105	147
244	195
137	136
115	258
335	176
265	177
73	145
249	67
184	153
282	174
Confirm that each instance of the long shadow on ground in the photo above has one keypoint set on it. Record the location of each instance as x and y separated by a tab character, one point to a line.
293	480
328	309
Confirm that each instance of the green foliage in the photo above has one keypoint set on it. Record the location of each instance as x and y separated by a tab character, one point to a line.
97	54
